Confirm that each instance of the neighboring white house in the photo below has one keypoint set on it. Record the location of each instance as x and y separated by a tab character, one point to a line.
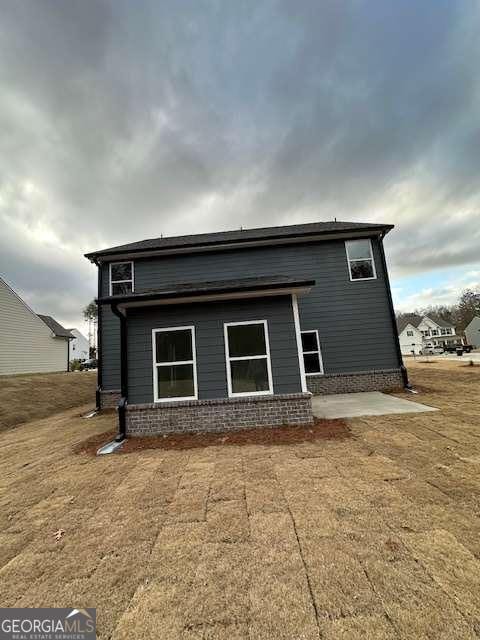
79	347
417	333
472	332
29	343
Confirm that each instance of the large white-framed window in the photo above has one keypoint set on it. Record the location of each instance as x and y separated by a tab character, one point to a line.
361	264
174	364
122	278
247	354
312	355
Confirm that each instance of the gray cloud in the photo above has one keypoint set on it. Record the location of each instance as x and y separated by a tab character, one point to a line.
120	121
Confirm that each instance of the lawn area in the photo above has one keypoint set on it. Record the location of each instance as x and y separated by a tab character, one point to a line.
30	397
373	536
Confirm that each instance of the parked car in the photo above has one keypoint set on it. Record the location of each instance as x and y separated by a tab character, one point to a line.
452	348
431	351
88	364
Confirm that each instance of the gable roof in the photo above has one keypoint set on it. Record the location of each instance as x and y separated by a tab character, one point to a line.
441	322
411	318
414	319
76	333
55	327
240	236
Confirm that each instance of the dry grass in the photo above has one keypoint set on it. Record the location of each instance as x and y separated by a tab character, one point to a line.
374	537
30	397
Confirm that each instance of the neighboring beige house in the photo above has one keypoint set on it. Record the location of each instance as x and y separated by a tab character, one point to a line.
472	332
29	343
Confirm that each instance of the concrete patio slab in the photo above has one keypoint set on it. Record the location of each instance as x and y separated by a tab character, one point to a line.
369	403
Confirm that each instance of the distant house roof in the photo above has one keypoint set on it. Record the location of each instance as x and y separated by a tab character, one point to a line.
240	236
411	318
441	322
414	319
55	327
77	333
238	286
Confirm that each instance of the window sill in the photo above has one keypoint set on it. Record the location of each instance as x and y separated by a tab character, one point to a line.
246	394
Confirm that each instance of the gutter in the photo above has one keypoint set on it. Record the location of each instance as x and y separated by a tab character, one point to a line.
122	405
403	369
99	343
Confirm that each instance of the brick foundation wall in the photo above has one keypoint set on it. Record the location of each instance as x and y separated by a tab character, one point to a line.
353	382
219	415
110	399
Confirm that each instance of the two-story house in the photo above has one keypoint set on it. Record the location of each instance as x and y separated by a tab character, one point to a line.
417	333
235	329
30	342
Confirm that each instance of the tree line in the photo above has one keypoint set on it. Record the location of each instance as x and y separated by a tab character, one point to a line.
459	314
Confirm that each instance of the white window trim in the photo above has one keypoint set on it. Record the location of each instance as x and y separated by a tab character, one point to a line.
298	335
320	359
132	279
155	364
374	277
231	394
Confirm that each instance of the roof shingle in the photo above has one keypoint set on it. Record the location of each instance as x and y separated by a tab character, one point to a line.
55	327
242	235
197	289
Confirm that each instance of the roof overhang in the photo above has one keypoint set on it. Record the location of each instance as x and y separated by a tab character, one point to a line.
214	294
100	257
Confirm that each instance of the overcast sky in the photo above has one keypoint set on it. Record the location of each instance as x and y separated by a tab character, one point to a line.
124	120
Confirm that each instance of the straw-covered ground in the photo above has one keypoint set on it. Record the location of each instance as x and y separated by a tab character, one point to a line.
373	535
38	395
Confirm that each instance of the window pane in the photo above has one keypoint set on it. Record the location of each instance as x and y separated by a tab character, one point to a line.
121	288
174	346
175	381
249	375
361	269
122	271
246	340
311	362
358	250
309	341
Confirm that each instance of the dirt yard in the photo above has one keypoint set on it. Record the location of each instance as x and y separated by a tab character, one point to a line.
30	397
374	536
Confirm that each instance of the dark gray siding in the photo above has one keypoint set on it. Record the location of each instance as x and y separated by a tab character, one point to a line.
110	349
208	320
352	318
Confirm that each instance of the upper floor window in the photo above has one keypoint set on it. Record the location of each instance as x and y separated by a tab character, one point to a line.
361	264
434	332
121	278
410	333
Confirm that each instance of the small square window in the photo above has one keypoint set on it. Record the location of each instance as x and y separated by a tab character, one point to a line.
361	264
121	278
